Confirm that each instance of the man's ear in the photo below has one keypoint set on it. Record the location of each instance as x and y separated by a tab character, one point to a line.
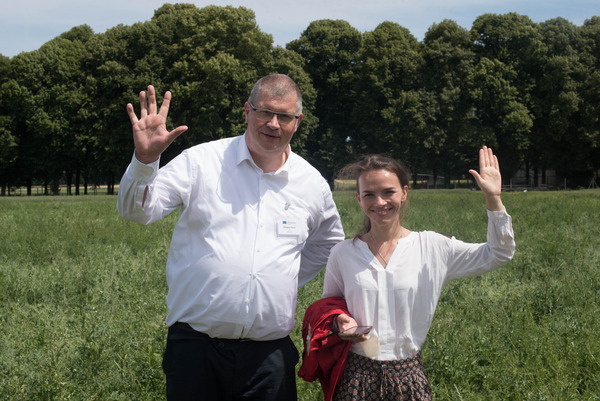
247	111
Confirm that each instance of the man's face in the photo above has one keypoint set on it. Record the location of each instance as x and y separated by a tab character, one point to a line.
269	139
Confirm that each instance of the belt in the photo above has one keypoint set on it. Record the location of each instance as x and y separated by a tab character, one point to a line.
183	331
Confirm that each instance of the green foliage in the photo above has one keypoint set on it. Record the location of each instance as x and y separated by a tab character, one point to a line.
8	143
447	73
505	120
528	89
329	49
388	107
82	300
217	53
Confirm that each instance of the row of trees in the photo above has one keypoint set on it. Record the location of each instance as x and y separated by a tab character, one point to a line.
531	91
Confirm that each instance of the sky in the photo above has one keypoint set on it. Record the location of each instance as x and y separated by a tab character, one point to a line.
25	25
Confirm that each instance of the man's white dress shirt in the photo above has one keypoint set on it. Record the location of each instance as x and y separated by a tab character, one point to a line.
244	240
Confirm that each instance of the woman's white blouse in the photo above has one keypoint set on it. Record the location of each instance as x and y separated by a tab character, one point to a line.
399	301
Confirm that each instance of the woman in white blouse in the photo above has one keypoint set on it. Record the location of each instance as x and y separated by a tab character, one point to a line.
391	278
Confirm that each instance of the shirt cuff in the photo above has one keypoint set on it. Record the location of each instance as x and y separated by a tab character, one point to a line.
497	215
143	172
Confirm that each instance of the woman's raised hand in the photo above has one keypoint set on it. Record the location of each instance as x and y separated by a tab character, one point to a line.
489	179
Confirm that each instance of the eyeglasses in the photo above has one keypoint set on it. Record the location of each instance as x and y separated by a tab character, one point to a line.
267	115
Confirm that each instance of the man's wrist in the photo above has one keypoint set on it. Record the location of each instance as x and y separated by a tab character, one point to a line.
145	160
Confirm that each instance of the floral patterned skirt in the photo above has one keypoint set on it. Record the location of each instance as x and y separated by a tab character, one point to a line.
366	379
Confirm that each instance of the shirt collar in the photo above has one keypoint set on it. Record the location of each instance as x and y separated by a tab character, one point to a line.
243	154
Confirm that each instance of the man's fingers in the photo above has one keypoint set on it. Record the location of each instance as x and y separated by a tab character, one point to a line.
151	100
176	132
143	105
164	108
132	117
148	108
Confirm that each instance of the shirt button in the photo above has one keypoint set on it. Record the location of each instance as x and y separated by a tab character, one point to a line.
248	300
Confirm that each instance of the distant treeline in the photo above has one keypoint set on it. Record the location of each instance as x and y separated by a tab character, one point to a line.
529	90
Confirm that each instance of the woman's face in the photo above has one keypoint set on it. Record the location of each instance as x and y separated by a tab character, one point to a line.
380	195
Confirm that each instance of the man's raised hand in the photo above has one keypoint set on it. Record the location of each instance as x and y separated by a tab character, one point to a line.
150	134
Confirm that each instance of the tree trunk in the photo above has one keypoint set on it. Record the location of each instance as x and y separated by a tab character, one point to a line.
110	187
77	181
56	186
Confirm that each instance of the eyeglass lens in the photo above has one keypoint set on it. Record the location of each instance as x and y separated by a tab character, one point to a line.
267	115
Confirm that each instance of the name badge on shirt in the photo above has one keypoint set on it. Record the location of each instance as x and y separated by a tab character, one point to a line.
288	227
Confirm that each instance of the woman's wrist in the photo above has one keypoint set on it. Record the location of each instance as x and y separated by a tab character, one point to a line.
334	324
494	203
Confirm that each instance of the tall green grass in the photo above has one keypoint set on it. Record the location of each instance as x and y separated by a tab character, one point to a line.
82	300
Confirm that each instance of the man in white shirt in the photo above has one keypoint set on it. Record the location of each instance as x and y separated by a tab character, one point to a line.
255	222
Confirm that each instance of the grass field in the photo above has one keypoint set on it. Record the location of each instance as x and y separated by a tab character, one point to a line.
82	300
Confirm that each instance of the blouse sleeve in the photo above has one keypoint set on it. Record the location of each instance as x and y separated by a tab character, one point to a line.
466	260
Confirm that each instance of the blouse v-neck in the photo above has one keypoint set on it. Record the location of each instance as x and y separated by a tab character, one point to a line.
373	256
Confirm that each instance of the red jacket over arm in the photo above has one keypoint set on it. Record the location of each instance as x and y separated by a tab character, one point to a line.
324	355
